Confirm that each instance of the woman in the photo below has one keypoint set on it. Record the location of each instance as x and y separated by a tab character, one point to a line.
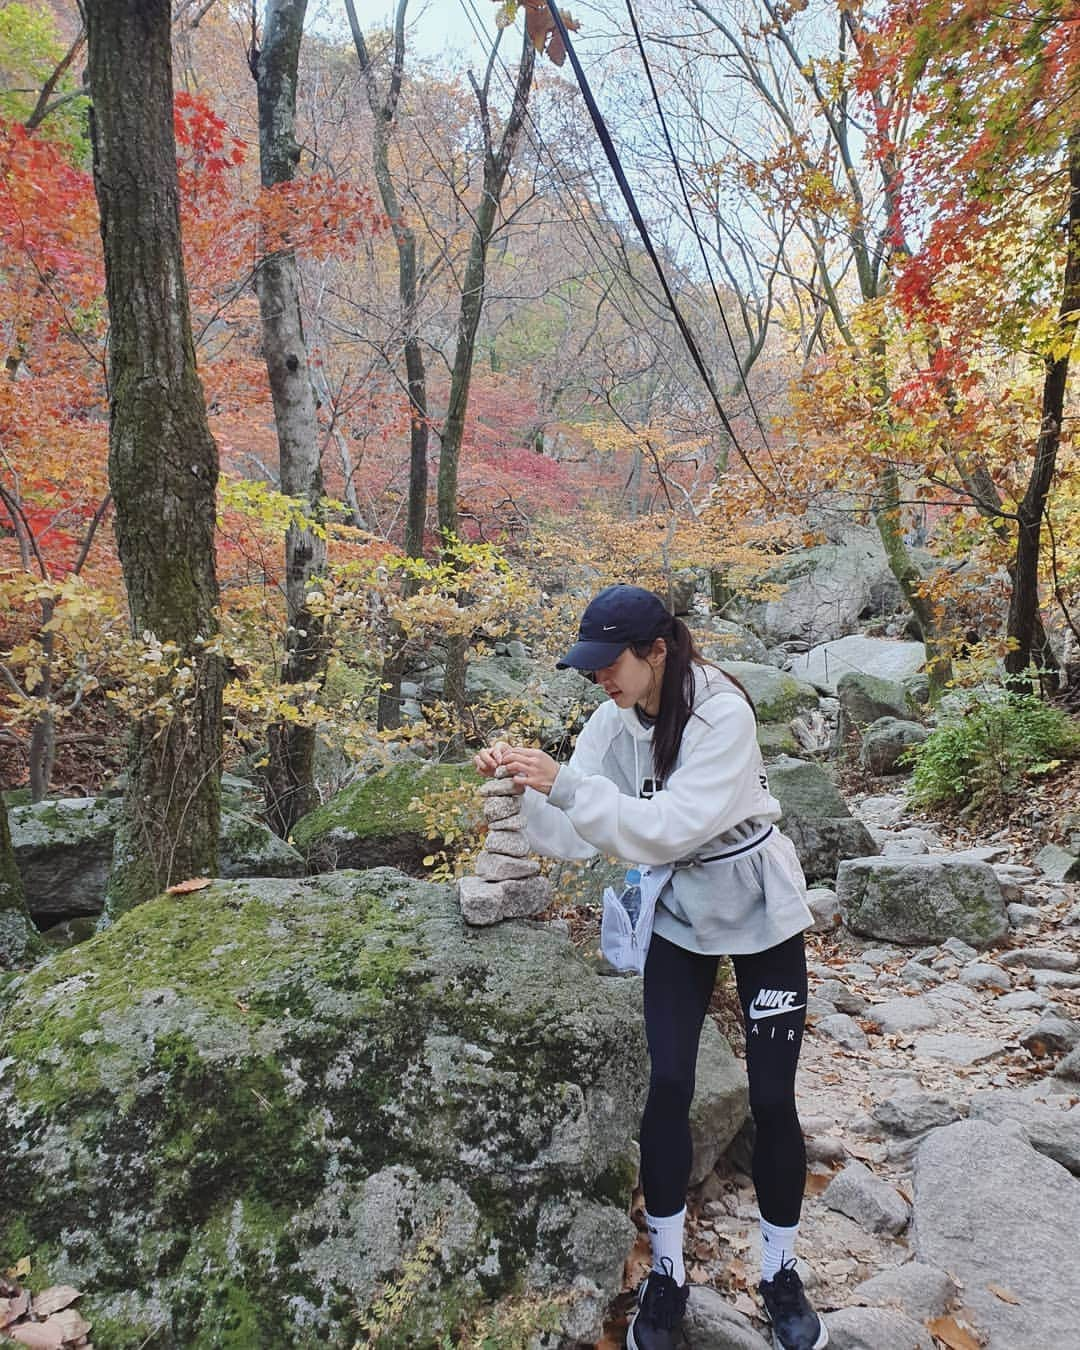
668	770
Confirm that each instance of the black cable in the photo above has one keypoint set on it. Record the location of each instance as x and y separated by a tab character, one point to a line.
643	230
693	222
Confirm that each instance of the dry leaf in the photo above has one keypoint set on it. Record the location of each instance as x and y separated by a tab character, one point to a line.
1006	1295
71	1323
52	1300
13	1308
951	1333
19	1270
817	1182
186	887
37	1334
743	1303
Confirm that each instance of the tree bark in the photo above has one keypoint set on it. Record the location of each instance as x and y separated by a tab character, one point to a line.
163	462
1024	601
290	774
496	166
19	939
383	112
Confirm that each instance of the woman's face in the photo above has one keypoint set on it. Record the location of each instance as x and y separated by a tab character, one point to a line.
634	679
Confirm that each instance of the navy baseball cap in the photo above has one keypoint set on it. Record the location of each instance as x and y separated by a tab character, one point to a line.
617	617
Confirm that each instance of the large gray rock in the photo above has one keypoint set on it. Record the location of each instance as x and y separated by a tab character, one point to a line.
864	698
722	640
922	1291
995	1213
721	1101
806	790
826	590
776	696
886	740
915	901
875	1329
823	843
64	851
241	1116
825	665
1050	1129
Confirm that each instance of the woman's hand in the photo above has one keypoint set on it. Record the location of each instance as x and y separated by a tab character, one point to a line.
487	761
530	768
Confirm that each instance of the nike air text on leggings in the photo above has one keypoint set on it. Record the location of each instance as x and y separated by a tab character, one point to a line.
772	991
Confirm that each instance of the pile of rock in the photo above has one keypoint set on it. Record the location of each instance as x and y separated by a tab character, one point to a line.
507	884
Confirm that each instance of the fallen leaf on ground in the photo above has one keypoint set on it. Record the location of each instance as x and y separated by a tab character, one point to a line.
19	1270
745	1304
39	1335
950	1332
54	1299
1006	1295
186	887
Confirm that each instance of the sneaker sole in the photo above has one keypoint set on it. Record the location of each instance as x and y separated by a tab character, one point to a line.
778	1344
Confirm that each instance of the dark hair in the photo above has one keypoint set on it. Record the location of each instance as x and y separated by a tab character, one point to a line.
677	691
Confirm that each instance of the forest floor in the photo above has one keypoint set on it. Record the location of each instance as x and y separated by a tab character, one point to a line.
839	1086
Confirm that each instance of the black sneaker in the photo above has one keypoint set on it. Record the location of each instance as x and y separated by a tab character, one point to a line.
661	1305
796	1326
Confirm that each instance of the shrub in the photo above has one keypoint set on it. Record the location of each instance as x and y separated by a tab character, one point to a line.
988	743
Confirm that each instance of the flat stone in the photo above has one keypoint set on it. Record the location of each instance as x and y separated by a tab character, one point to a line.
957	1048
1025	916
1051	1130
711	1323
871	1202
1039	958
841	1028
983	975
511	843
499	787
998	1215
1021	1000
1058	863
899	1016
514	822
487	902
961	950
875	1329
502	808
841	997
920	1290
914	972
913	1113
1055	979
1051	1035
501	867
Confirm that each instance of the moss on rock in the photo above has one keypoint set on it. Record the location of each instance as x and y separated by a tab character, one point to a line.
216	1103
371	822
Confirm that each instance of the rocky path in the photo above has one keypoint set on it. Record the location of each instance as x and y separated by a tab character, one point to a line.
966	1239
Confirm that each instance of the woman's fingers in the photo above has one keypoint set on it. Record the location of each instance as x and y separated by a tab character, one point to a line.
533	768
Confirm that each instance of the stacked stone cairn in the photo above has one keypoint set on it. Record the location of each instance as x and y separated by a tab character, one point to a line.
507	884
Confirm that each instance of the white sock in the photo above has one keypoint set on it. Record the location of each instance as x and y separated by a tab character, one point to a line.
666	1236
777	1246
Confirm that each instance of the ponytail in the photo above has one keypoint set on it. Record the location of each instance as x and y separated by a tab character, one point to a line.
677	692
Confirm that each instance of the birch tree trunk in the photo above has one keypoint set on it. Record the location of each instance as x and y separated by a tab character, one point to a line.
163	462
383	112
290	773
496	167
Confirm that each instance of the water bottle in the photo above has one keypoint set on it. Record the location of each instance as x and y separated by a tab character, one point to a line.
630	897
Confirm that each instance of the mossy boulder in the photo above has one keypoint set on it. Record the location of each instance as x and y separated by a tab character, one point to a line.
372	823
921	900
280	1113
777	696
816	818
64	850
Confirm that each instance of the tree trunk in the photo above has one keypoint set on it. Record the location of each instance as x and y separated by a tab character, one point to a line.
19	939
1024	602
163	462
496	166
383	111
290	774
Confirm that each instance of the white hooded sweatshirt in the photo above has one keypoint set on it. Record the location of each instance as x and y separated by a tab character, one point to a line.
716	801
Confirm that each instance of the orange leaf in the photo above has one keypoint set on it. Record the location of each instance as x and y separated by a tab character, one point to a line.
186	887
1006	1295
949	1331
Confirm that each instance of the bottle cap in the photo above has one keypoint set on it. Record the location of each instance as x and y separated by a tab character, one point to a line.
633	877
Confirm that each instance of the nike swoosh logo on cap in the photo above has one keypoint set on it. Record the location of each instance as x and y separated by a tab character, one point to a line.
610	627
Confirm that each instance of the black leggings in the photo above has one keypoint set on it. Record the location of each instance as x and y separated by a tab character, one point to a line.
772	991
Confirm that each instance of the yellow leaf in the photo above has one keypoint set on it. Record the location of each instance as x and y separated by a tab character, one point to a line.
186	887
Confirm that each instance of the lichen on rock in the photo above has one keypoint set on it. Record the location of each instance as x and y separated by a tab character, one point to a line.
240	1116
